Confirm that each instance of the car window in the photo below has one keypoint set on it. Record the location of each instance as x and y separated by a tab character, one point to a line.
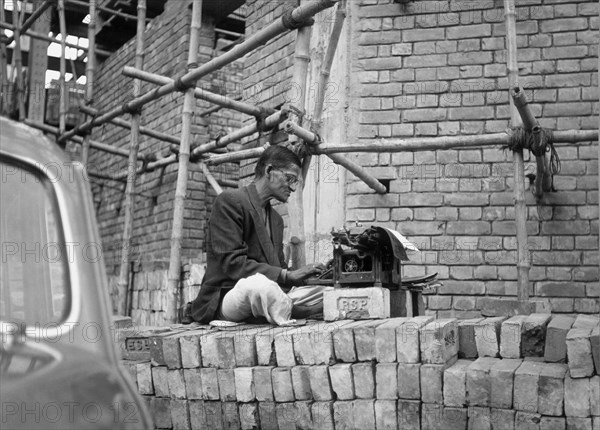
34	287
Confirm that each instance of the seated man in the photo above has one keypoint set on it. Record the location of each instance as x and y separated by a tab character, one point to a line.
246	274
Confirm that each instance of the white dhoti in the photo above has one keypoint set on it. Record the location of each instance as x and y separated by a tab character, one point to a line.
258	296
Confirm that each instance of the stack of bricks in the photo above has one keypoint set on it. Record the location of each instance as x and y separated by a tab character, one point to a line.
401	373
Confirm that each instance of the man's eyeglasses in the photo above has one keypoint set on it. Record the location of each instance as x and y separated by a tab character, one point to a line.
291	180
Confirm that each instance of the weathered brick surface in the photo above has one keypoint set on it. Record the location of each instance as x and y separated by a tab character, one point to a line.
579	352
556	334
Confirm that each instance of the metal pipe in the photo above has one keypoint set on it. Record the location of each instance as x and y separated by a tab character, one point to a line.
299	14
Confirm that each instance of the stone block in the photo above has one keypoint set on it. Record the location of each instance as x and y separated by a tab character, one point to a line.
286	416
226	379
244	345
409	414
189	344
408	348
479	418
385	340
267	415
596	423
180	414
230	416
134	343
214	415
364	339
553	423
210	383
283	391
342	415
263	387
244	384
249	418
176	383
503	419
479	382
363	375
438	341
322	342
432	376
363	413
386	381
161	412
579	353
578	397
320	384
172	350
526	387
575	423
320	415
265	346
510	337
193	384
217	351
487	337
342	381
595	395
502	375
533	335
438	417
455	384
551	389
586	321
555	350
409	381
527	420
467	348
386	415
301	383
284	347
343	343
197	414
356	303
159	379
144	378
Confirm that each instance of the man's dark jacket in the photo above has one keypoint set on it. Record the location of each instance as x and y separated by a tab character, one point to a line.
238	245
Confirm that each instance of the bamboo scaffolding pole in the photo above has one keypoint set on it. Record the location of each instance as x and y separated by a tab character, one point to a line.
62	111
298	15
417	144
519	175
228	183
297	98
211	179
32	18
78	139
149	167
40	36
233	157
213	109
118	13
3	67
313	140
18	13
174	273
271	121
90	73
127	125
134	146
202	94
543	178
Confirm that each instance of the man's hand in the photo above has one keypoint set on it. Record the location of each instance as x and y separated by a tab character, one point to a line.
296	277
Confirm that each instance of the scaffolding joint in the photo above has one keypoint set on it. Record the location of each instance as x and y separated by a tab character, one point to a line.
291	23
131	110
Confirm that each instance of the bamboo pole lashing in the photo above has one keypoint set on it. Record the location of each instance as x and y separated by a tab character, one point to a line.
90	75
519	174
543	178
174	272
280	25
32	18
40	36
18	14
134	146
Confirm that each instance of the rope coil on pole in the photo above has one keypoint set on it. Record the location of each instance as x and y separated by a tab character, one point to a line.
291	23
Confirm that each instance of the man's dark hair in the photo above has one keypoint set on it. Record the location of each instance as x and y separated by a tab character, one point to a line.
278	156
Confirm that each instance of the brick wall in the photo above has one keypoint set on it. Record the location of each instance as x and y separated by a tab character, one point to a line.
166	54
534	371
437	68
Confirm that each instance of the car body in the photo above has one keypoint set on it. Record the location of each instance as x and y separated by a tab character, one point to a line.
59	368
